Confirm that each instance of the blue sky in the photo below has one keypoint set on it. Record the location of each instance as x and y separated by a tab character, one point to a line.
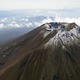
39	4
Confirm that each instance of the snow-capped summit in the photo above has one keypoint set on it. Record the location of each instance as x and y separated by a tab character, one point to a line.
68	33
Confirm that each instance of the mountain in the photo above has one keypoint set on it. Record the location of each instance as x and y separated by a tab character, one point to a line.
49	52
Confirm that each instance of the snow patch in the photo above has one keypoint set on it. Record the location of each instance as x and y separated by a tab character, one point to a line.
46	34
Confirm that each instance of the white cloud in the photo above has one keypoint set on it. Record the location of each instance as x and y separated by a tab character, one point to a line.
47	20
14	24
36	24
29	25
23	19
3	20
58	19
67	19
1	25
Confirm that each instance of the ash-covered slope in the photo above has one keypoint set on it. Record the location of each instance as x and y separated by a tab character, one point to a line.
50	52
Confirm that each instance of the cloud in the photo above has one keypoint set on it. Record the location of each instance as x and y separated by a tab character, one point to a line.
57	18
19	23
29	25
36	24
67	19
13	24
23	19
1	25
3	20
47	20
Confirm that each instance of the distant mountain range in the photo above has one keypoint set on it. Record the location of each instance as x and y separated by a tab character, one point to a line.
49	52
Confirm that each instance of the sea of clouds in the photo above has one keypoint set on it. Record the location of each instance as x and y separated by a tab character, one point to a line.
38	18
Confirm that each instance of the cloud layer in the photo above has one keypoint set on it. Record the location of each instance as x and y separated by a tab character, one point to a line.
67	19
36	20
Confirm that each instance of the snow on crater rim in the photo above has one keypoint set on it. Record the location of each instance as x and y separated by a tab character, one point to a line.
65	37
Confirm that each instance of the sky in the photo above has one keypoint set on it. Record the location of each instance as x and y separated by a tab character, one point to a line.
62	10
39	4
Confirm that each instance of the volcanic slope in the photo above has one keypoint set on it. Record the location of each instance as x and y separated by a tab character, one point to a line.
49	52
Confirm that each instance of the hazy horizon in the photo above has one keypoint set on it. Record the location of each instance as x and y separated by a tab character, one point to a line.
39	4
